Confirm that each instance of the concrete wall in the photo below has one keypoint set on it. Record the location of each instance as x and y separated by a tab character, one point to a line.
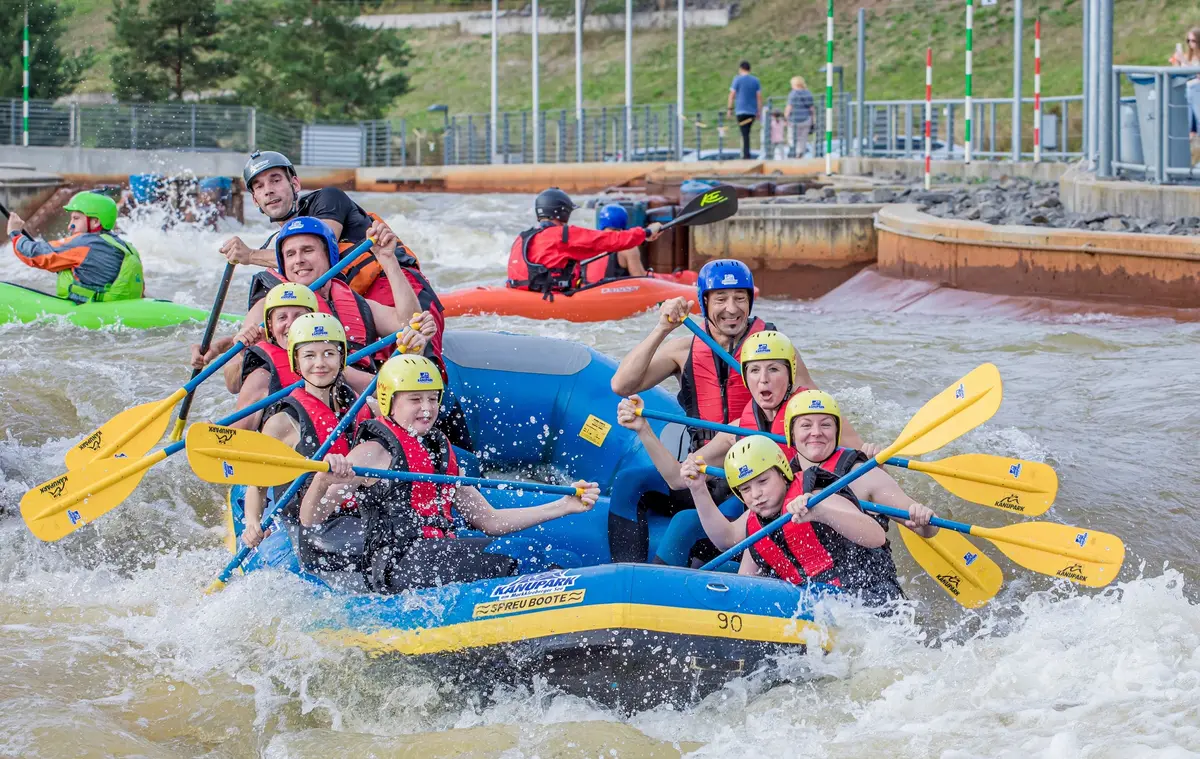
413	20
513	22
111	166
23	190
1082	192
572	177
798	250
914	168
1160	270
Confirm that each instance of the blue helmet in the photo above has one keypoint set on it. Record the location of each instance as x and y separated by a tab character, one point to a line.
307	225
612	216
723	274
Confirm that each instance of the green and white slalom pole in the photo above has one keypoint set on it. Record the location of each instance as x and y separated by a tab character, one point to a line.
25	82
970	41
829	89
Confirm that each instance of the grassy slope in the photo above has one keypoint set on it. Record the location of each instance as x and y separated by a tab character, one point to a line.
780	37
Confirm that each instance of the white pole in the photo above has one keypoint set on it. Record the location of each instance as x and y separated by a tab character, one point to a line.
629	78
967	95
1037	91
495	80
829	89
679	89
928	112
579	80
537	121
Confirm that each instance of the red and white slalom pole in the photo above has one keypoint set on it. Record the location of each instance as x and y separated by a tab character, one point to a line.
928	111
1037	91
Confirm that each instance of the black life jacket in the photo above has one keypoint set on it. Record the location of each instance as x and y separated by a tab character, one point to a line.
523	274
397	513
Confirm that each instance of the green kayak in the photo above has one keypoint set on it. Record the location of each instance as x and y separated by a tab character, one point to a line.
21	304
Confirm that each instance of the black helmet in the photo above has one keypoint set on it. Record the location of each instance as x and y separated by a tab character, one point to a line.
260	161
553	204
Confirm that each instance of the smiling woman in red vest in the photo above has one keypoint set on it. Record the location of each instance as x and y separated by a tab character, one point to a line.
546	258
316	351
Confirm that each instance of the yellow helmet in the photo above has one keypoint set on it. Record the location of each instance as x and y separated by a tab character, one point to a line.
406	374
752	456
769	345
314	328
811	402
287	294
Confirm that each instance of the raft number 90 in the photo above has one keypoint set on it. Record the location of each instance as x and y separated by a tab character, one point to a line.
731	622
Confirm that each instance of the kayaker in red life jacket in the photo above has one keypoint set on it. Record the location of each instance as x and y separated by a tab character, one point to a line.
410	540
834	542
316	351
546	258
274	186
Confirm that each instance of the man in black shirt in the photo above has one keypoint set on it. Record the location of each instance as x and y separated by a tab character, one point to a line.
272	182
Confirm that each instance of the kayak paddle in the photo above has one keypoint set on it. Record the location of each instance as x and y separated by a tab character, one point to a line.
230	456
1086	557
133	432
58	507
717	204
1022	487
968	575
958	409
205	342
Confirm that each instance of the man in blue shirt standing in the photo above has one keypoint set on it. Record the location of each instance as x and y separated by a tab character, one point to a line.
745	102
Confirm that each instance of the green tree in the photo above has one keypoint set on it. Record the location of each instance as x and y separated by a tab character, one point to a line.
52	73
170	48
307	59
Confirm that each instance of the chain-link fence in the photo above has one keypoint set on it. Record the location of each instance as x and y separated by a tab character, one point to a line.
603	134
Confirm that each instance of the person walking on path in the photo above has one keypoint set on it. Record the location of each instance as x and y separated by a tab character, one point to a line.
745	102
799	114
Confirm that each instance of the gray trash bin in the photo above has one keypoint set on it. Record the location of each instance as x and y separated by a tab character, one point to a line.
1131	136
1178	150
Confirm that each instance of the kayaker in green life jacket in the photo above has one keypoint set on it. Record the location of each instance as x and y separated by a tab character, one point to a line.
92	263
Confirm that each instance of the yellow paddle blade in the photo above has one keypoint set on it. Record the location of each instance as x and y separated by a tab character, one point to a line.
955	411
1022	487
1087	557
131	433
968	575
58	507
239	457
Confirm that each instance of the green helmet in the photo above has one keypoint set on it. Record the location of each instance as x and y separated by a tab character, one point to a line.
95	206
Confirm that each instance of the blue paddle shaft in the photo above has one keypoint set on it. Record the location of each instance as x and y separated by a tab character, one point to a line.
780	521
739	431
342	424
707	339
212	368
445	479
253	408
342	263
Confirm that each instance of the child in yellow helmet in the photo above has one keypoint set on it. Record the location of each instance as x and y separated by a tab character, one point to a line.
409	527
316	352
835	542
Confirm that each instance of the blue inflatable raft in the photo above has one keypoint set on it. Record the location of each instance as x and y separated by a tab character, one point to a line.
602	624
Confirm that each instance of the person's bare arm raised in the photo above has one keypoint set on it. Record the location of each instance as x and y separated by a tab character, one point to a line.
651	362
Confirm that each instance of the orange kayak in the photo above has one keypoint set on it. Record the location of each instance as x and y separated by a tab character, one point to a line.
611	300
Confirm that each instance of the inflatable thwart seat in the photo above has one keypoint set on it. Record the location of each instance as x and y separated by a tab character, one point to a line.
584	613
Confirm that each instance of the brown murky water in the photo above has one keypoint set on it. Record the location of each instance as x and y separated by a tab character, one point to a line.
109	648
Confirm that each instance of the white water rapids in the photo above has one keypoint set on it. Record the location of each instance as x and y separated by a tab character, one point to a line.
108	646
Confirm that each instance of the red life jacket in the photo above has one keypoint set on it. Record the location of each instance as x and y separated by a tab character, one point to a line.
267	355
316	421
523	274
753	418
813	551
346	305
400	512
710	390
380	291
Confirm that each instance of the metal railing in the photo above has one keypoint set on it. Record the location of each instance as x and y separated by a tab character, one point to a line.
1164	99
